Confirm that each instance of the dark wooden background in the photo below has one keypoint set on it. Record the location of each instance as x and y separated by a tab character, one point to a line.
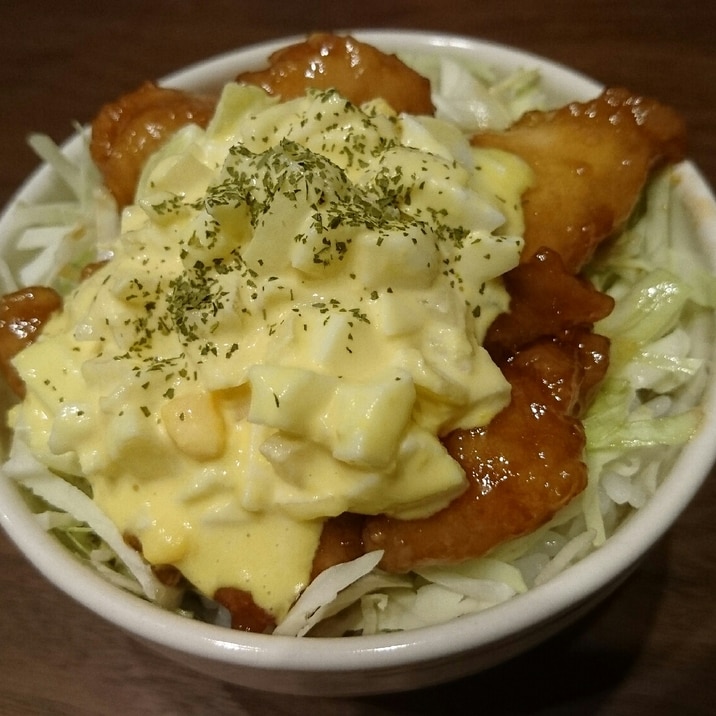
650	649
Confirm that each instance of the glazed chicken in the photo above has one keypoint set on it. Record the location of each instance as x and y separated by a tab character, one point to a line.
127	131
358	71
590	162
23	313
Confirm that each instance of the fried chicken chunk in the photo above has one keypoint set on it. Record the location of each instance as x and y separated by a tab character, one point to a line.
341	541
522	467
545	300
590	162
246	615
358	71
127	131
23	313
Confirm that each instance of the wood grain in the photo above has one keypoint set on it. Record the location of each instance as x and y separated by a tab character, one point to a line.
652	647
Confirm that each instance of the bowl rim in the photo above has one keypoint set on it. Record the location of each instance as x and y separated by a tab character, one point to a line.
550	601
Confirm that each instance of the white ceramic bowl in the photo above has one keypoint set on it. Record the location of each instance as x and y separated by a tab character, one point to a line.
402	661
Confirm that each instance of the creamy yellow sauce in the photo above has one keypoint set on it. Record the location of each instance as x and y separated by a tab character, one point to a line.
292	317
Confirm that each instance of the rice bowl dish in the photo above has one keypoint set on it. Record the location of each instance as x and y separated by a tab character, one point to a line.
549	581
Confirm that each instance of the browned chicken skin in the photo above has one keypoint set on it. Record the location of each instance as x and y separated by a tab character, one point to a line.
126	132
358	71
23	313
246	615
545	300
591	161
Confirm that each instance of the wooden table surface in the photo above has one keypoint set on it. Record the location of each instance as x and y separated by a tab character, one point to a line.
651	649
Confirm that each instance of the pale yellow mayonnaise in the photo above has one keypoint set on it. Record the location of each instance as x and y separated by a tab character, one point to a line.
292	316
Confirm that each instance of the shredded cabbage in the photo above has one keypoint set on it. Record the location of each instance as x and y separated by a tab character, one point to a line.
62	236
646	409
474	96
